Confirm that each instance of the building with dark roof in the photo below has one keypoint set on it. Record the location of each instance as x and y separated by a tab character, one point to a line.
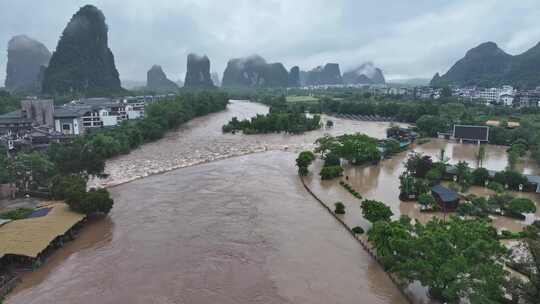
14	123
477	134
447	199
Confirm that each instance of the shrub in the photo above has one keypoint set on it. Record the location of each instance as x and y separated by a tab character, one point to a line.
303	161
427	200
350	189
375	211
93	201
332	159
391	146
466	208
518	206
62	185
339	208
358	230
495	186
509	235
480	176
330	172
17	214
511	178
434	176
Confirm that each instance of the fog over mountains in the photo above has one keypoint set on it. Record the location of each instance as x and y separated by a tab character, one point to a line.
404	39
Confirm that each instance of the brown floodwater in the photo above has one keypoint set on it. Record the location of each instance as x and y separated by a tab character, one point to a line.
238	230
201	140
381	182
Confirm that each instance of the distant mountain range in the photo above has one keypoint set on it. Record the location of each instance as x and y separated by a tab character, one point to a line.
83	63
488	66
366	73
157	81
254	71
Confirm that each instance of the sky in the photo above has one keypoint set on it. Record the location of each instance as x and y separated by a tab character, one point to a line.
406	39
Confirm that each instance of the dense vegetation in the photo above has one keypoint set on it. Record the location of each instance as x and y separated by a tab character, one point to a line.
455	258
8	102
281	118
430	116
357	149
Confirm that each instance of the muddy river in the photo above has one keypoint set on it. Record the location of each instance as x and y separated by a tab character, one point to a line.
238	230
230	229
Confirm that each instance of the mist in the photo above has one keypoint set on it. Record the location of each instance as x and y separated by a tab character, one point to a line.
405	39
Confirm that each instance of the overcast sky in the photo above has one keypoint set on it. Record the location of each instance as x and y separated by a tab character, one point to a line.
405	38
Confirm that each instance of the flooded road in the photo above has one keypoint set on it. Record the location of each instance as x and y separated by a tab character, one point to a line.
238	230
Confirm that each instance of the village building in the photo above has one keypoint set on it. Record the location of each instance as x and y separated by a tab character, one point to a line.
447	199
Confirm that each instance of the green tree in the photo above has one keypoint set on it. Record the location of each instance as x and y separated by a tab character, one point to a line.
480	176
391	146
339	208
374	211
434	176
418	164
93	201
427	201
76	158
330	172
63	185
455	259
303	161
31	171
518	206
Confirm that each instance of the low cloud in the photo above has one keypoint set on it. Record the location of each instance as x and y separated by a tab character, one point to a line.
404	38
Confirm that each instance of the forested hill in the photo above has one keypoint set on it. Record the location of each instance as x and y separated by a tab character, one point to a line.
488	66
83	61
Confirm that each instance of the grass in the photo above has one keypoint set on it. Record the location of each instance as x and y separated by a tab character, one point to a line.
17	214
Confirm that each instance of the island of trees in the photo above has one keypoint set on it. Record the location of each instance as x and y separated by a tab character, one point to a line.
282	118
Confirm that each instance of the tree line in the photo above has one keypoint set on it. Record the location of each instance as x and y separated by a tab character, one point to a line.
64	168
281	118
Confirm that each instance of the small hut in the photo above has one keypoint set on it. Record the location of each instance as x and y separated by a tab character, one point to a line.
447	199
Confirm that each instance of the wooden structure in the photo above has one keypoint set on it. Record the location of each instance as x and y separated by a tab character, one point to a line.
447	199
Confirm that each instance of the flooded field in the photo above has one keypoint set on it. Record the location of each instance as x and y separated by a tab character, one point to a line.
239	230
381	182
